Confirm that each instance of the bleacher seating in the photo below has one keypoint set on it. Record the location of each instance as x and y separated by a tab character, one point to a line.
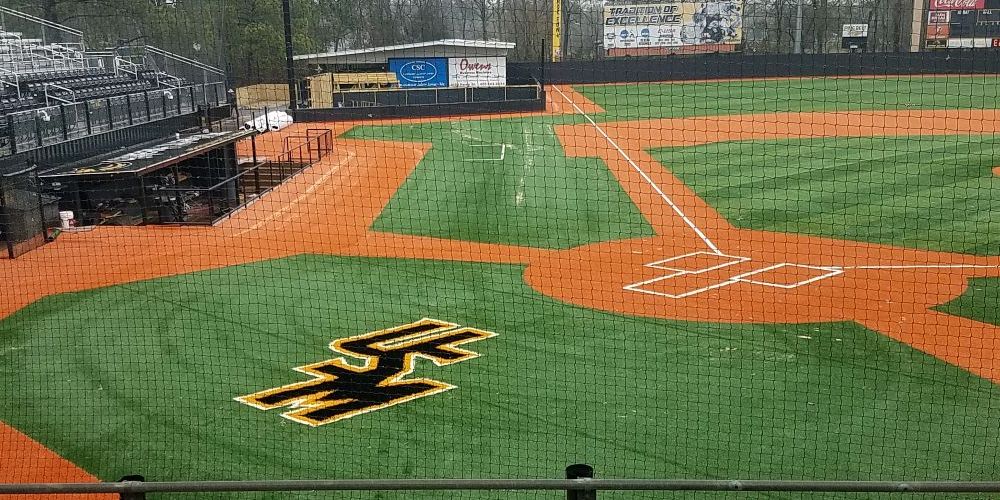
27	56
35	73
15	104
52	92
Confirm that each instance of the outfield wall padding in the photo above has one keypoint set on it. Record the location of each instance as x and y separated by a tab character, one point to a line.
723	66
457	109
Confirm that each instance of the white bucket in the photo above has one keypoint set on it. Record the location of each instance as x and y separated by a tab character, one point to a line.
66	217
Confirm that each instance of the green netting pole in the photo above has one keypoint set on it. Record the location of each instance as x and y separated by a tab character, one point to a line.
584	472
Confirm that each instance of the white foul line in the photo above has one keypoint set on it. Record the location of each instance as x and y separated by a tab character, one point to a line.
645	176
308	192
930	266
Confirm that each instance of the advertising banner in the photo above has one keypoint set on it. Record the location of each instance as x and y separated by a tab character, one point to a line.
963	24
854	30
477	71
957	4
938	31
673	24
423	72
939	17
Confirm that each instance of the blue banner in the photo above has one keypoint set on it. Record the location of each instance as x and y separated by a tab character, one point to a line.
422	72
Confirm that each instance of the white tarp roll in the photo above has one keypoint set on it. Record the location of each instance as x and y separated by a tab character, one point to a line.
282	120
275	120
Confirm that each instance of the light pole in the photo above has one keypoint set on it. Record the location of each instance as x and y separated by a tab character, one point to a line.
798	27
286	12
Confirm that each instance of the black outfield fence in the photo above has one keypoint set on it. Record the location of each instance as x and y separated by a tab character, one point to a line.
408	103
427	97
716	66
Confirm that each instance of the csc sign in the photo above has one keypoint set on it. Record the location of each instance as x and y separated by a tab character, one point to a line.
425	72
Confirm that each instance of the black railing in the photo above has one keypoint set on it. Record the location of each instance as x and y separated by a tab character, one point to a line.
577	487
41	127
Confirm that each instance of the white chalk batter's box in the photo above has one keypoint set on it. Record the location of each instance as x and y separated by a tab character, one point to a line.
688	278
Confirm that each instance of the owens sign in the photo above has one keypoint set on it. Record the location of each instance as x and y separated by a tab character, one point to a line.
477	71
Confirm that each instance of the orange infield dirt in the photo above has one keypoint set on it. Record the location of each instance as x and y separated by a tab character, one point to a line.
697	267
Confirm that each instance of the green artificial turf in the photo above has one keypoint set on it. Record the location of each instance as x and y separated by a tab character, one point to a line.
535	196
929	192
980	302
669	100
140	378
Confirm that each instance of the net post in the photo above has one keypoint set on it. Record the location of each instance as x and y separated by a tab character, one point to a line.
132	495
4	229
580	471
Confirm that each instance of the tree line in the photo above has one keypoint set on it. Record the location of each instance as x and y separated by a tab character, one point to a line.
246	36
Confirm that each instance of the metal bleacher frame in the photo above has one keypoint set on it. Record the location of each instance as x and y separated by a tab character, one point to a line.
154	85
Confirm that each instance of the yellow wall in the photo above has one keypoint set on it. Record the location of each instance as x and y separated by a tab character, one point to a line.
262	94
321	90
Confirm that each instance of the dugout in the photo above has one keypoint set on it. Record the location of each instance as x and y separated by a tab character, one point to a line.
195	177
190	177
418	79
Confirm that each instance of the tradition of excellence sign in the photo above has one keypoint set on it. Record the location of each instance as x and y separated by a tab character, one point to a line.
957	4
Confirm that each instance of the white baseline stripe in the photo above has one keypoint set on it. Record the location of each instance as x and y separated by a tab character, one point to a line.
931	266
644	175
308	192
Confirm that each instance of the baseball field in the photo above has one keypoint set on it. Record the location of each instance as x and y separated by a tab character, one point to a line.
758	279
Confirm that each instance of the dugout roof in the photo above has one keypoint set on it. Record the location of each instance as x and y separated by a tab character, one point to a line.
146	157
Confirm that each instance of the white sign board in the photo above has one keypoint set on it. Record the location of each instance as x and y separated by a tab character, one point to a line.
477	71
643	36
855	30
680	23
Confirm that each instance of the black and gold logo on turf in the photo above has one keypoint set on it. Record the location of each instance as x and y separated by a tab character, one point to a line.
342	390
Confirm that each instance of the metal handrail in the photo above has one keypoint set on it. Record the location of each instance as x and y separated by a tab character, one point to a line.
584	484
43	22
124	64
177	82
59	87
185	60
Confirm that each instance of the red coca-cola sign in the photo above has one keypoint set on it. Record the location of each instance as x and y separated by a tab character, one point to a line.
957	4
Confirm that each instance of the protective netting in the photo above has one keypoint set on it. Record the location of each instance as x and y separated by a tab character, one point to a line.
716	239
21	213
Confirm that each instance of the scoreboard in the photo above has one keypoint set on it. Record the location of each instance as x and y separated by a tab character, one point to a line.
963	24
